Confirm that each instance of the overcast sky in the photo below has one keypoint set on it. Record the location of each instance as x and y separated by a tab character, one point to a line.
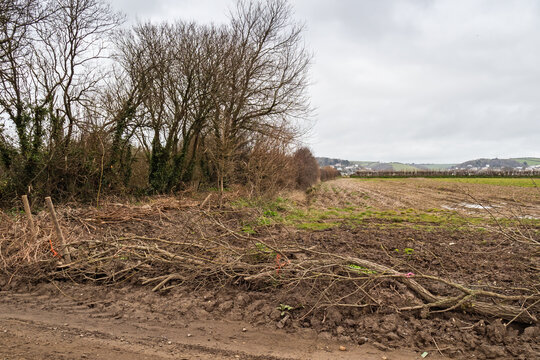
409	80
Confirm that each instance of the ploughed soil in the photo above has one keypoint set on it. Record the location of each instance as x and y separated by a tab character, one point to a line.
429	193
50	311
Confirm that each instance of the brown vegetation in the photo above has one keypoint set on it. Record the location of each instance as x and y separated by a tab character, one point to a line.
328	173
307	169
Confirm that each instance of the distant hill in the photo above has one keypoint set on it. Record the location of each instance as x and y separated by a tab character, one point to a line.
500	163
397	166
324	161
529	161
492	163
380	166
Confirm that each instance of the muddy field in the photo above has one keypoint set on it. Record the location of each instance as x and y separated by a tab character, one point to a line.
466	197
380	268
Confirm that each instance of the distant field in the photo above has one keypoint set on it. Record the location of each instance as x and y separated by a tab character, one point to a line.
437	166
403	167
521	182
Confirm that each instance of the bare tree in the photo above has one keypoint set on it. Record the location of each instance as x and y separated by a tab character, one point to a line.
328	173
68	60
51	64
16	21
168	67
307	168
262	86
211	93
268	167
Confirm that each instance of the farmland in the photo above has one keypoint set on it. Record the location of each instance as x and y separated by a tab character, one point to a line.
393	267
523	182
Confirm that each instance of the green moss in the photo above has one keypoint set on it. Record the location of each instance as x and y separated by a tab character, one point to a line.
264	221
425	220
361	269
248	229
243	203
286	212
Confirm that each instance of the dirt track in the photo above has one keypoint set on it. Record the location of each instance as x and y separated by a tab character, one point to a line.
44	325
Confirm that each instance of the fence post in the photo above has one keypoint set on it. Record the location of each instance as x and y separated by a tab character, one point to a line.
65	251
29	215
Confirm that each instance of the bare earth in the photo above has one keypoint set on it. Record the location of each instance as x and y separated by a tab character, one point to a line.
45	324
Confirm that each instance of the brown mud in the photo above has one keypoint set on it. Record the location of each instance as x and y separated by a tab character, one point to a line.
61	321
58	314
424	194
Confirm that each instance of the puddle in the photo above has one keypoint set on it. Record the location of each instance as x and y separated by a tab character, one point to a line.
475	206
468	206
528	217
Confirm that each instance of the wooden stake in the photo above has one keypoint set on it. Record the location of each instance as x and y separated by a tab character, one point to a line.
205	200
65	252
29	215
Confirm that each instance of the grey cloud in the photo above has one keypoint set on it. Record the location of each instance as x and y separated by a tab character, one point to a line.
155	10
412	80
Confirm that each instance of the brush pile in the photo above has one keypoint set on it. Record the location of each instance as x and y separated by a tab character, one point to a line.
171	243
